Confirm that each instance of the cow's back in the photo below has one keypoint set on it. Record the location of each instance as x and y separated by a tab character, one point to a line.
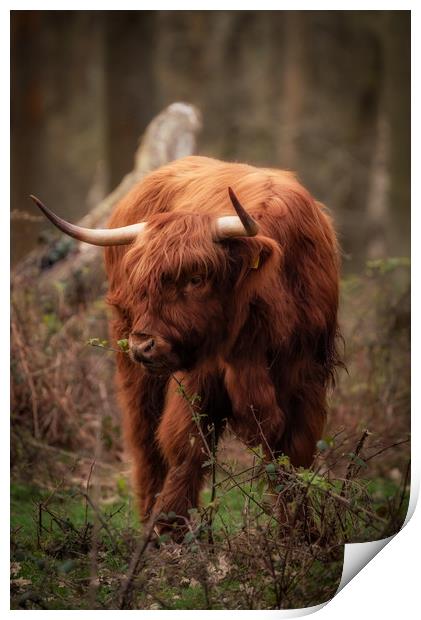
199	184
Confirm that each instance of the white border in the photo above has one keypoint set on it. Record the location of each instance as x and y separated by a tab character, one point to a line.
388	585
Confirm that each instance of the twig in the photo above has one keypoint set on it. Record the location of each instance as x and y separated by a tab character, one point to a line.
393	445
105	348
134	564
352	466
268	558
213	487
102	520
261	432
87	489
224	527
354	509
404	485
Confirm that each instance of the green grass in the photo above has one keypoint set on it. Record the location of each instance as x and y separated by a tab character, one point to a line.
52	554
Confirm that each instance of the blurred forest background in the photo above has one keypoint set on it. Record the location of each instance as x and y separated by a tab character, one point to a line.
324	93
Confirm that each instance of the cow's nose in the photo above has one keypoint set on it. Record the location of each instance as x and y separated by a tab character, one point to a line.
143	347
146	347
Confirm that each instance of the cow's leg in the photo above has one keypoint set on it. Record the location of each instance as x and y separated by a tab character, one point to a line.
185	451
185	435
142	398
257	417
306	420
148	477
305	423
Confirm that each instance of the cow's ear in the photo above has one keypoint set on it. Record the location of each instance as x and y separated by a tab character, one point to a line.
253	258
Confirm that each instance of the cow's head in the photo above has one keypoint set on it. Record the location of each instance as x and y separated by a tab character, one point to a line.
186	282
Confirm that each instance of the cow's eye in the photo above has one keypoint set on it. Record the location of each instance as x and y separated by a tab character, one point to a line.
195	281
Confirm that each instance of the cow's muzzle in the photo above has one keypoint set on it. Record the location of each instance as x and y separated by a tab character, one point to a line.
153	352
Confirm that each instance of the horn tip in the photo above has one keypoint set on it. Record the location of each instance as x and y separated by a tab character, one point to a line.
248	222
35	199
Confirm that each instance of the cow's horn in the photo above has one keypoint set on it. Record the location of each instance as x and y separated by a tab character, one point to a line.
240	225
100	236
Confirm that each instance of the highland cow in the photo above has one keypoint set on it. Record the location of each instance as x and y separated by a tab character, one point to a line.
224	279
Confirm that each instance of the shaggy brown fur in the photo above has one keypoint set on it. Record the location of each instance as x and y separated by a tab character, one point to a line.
256	344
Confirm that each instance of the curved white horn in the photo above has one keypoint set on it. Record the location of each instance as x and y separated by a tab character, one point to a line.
240	225
100	236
